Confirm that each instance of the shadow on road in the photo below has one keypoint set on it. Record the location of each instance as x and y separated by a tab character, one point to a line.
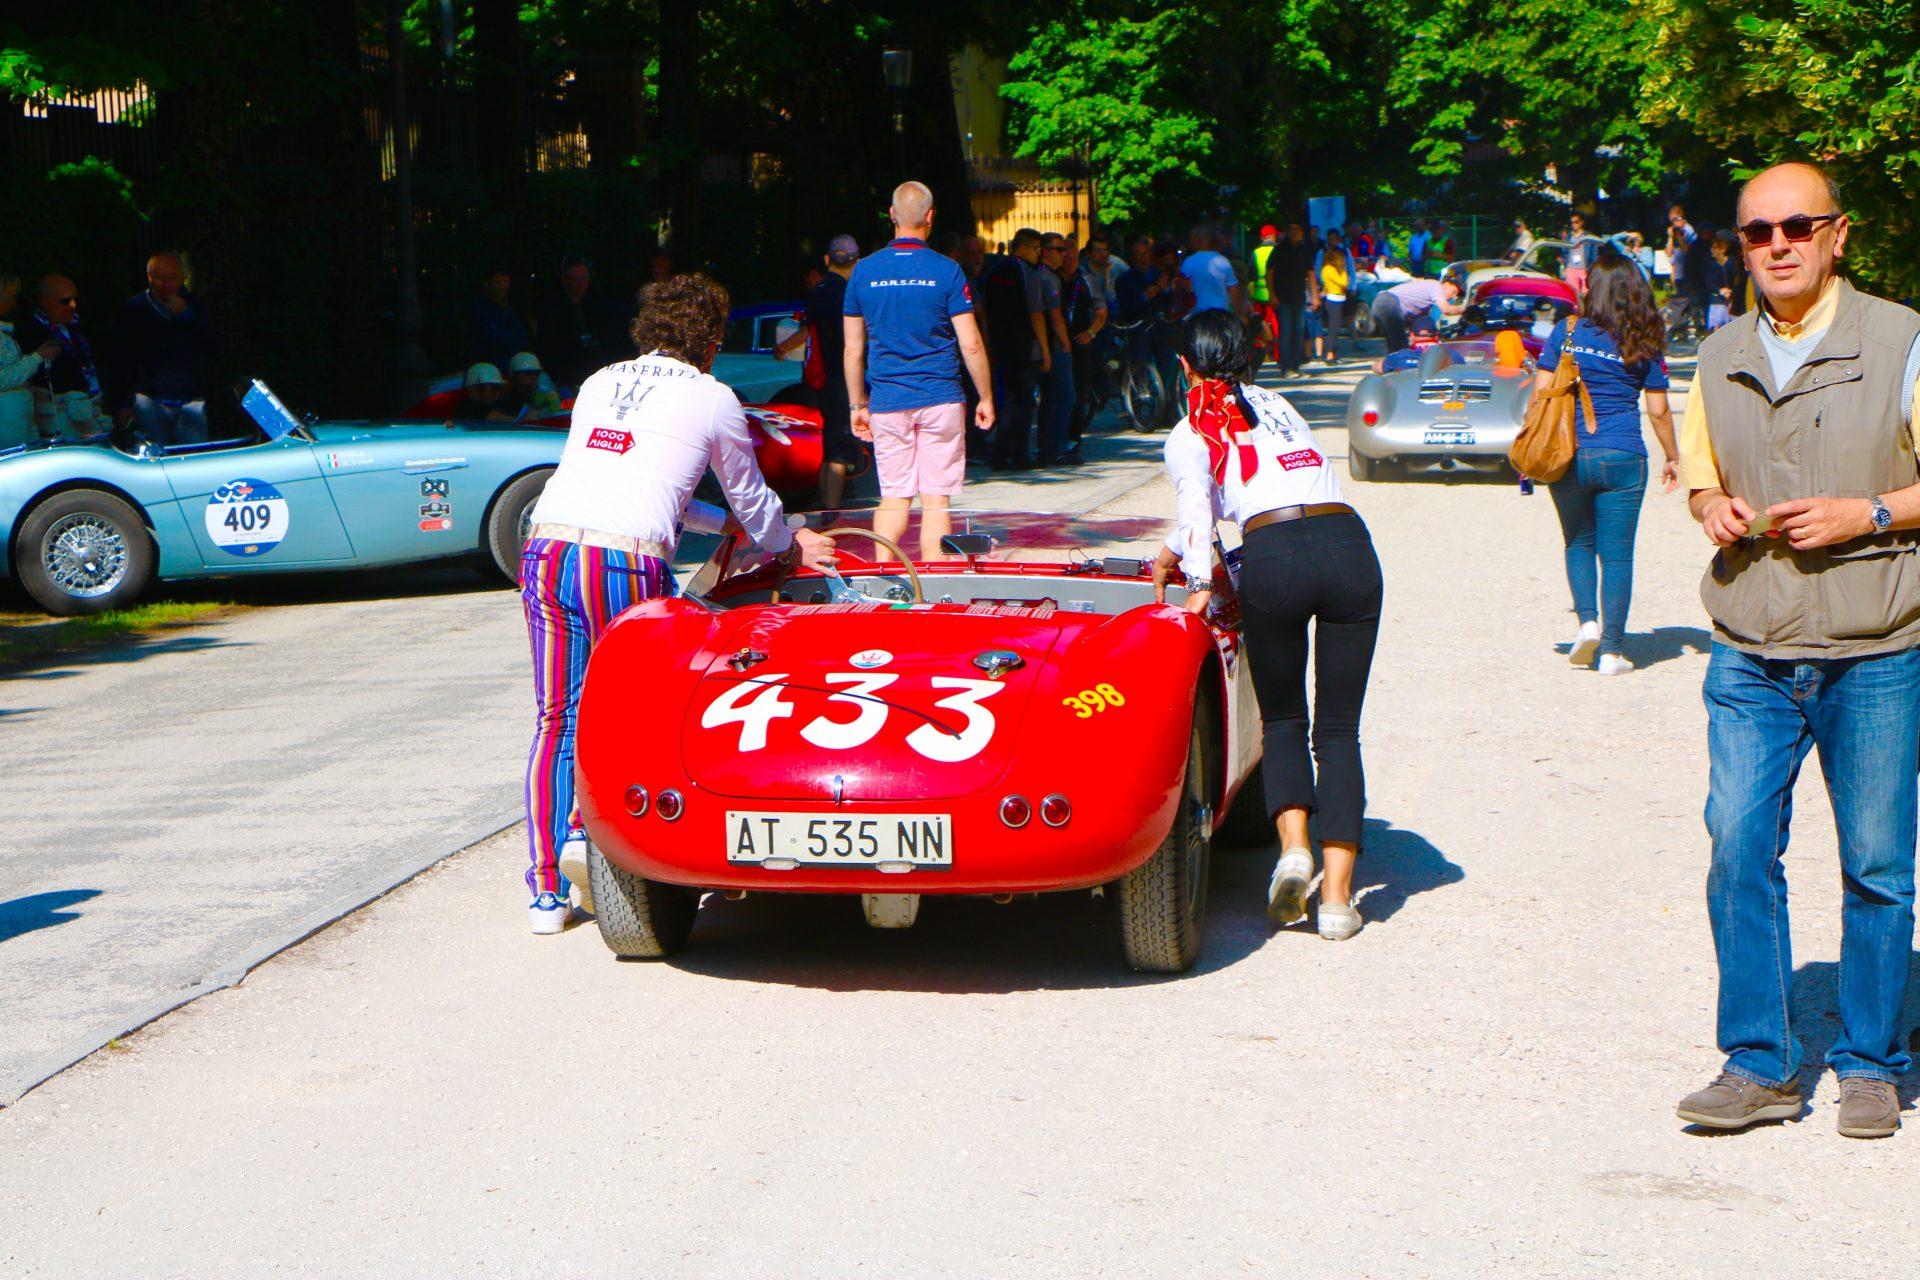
1816	1005
120	650
962	946
1395	864
1049	942
1665	643
40	911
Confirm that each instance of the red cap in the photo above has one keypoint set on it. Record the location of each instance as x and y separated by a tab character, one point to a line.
1269	231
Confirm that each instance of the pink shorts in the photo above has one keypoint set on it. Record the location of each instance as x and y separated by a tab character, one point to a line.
921	451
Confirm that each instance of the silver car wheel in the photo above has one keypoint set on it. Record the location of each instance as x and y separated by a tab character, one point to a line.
84	555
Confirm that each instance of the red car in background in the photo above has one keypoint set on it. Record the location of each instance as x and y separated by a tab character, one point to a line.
786	438
898	730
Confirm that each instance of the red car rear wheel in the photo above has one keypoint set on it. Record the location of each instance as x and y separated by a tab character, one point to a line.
1163	901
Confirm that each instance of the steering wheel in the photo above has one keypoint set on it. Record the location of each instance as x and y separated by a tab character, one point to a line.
913	574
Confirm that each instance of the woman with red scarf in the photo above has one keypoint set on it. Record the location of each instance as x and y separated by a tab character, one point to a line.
1244	454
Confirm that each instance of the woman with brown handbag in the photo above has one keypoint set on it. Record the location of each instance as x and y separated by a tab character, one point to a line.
1619	345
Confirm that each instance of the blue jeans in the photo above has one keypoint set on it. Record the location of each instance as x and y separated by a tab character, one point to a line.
1056	406
1599	505
1763	714
168	422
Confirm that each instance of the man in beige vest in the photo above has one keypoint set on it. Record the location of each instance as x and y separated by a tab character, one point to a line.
1798	446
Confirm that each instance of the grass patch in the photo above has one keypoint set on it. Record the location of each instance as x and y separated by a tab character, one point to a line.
27	638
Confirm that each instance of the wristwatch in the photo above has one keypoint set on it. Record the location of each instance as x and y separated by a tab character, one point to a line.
1196	583
1882	518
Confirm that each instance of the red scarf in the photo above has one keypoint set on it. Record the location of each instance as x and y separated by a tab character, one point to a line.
1214	411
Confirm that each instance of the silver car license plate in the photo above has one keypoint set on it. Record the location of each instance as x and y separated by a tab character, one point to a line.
1450	435
887	842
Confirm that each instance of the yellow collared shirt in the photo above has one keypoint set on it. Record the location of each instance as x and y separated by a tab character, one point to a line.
1699	468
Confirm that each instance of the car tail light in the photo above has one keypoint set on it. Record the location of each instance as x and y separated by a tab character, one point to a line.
1055	811
1015	811
669	806
1371	417
637	801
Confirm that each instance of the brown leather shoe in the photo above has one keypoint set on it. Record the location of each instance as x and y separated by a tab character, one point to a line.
1734	1102
1869	1108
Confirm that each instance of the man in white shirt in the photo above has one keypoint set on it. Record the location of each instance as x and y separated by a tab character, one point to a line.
644	432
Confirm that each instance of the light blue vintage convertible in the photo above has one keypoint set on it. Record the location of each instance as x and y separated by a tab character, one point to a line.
91	522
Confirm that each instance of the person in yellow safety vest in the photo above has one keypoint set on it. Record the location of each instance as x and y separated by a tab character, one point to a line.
1257	290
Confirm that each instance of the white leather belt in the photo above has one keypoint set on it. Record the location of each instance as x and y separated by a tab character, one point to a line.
595	538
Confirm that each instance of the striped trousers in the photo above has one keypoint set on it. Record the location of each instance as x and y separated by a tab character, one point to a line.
570	592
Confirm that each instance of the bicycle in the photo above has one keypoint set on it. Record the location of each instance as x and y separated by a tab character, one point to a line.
1136	380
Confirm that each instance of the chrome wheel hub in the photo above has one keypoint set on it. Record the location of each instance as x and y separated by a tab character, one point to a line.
85	555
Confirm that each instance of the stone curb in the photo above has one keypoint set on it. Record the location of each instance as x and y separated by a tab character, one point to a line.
234	971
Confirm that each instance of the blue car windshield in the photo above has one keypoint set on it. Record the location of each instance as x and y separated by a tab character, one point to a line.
265	408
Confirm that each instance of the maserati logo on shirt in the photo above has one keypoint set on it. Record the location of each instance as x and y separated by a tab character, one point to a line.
613	441
1301	458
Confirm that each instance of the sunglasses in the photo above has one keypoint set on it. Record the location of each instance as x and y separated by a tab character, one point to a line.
1798	229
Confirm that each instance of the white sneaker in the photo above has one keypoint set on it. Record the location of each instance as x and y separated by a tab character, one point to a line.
1337	924
573	865
1287	894
1585	645
547	914
1613	664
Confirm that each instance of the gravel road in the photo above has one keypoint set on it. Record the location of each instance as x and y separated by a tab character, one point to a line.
1480	1084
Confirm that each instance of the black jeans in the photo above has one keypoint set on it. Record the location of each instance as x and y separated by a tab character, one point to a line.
1083	361
1015	383
1320	569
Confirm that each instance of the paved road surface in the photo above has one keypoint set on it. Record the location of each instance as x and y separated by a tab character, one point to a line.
1480	1084
179	803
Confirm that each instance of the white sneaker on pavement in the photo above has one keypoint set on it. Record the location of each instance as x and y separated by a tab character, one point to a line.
1337	924
1287	894
548	914
1613	664
1585	645
573	865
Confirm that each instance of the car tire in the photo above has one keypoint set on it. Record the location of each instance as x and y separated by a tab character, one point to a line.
1248	823
1360	466
1163	901
639	919
83	552
507	522
1362	322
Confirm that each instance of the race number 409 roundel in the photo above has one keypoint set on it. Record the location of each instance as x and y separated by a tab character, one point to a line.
247	517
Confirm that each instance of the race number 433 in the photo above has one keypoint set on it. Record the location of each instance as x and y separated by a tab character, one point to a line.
958	735
247	517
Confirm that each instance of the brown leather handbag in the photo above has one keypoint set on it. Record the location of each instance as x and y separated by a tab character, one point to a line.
1545	446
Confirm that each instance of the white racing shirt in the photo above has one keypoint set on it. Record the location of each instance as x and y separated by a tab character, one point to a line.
644	431
1293	472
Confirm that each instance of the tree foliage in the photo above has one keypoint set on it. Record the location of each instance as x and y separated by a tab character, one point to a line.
1095	87
1836	81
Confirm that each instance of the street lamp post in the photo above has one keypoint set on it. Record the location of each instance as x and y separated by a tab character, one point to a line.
896	64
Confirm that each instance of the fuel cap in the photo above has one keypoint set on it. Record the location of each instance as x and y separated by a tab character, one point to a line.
997	662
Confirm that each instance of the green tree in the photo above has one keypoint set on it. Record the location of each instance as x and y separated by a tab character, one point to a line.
1096	87
1836	81
1549	82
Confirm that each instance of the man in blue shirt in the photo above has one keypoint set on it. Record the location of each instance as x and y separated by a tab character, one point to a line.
909	324
1215	286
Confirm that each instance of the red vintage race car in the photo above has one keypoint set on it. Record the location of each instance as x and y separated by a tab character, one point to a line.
1019	718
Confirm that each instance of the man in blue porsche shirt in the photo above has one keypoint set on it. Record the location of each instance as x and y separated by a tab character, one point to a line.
909	323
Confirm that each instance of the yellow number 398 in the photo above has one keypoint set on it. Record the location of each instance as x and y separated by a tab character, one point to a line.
1098	698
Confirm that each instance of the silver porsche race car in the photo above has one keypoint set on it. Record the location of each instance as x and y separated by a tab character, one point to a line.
1455	408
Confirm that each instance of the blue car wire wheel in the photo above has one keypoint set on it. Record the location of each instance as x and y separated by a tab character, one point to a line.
247	517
